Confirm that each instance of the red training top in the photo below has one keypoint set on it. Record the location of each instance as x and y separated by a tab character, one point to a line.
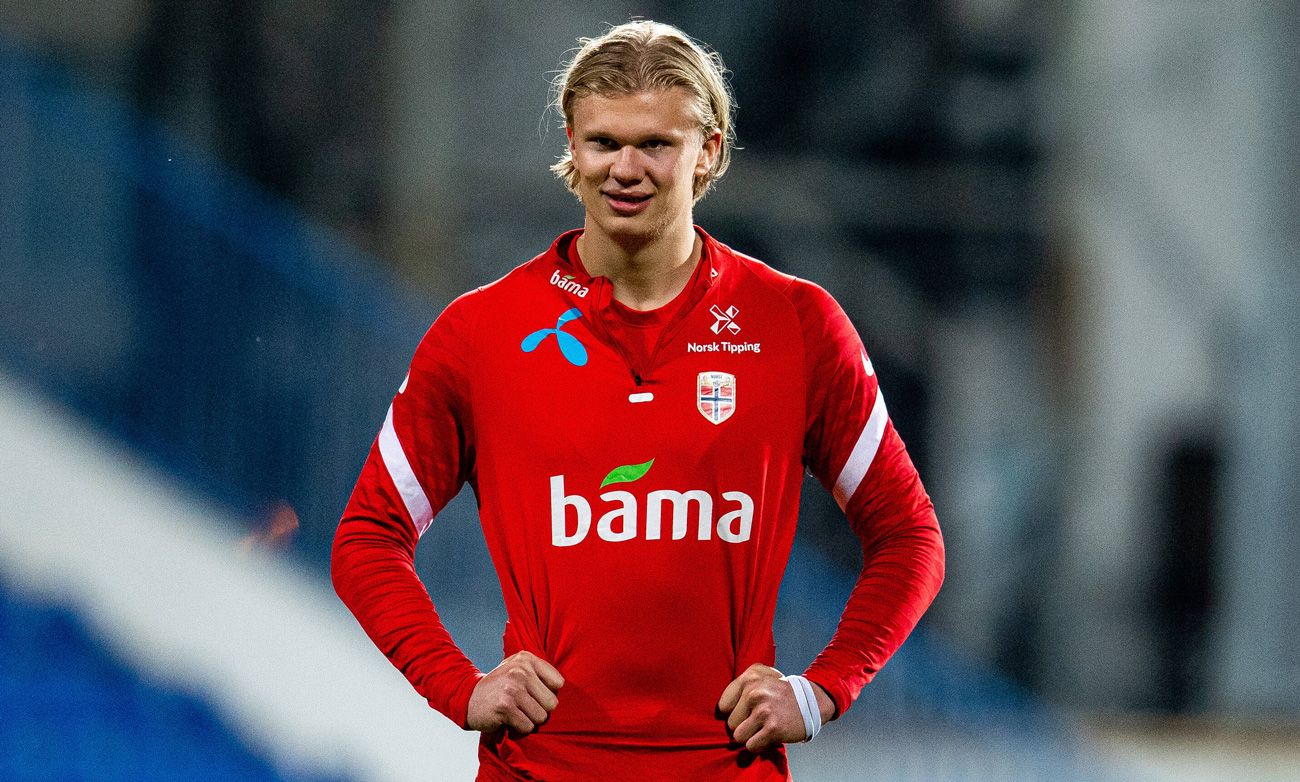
638	479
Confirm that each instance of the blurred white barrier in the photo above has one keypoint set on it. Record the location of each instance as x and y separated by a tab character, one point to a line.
160	577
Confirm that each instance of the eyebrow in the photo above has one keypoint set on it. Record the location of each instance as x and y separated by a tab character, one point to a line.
596	133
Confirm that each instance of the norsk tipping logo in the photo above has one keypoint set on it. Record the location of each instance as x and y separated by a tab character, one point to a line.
623	521
724	319
570	347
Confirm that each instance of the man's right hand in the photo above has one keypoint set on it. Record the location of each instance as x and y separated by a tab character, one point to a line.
518	694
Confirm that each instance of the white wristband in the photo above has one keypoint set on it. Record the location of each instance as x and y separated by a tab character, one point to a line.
807	700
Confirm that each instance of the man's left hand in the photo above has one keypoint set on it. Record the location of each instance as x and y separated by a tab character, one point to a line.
763	710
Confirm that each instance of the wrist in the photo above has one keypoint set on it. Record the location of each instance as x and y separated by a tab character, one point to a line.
825	703
810	710
468	690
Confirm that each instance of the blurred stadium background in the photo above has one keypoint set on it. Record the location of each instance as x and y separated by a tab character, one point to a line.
1067	231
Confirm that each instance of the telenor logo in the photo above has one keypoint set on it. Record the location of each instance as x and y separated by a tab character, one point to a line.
570	347
623	520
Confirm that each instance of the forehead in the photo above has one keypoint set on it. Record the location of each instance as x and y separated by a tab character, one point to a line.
669	110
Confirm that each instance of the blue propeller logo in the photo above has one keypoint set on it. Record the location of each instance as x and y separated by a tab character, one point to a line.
570	347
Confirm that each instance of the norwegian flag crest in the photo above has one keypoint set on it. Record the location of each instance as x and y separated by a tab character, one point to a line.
716	396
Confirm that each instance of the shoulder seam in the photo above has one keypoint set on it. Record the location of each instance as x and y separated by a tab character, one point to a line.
788	280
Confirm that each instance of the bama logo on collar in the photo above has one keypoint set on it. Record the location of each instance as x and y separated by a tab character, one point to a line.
572	350
569	285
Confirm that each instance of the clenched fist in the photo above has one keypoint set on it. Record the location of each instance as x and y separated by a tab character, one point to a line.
763	710
518	694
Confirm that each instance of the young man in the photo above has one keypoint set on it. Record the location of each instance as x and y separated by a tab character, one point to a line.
635	409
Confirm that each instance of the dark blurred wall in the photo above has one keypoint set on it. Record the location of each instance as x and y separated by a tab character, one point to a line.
291	92
98	38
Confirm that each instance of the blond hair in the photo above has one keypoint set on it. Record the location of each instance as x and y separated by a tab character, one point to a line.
643	55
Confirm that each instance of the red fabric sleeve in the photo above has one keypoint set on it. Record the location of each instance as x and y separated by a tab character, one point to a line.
421	458
860	458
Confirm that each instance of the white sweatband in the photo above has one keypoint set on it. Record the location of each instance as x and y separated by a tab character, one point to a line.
807	700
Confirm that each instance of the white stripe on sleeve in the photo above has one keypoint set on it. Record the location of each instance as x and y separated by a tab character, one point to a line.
864	451
399	469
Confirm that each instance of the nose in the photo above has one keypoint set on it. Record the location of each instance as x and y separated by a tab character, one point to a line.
626	166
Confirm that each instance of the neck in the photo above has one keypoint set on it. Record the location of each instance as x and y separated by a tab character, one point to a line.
645	274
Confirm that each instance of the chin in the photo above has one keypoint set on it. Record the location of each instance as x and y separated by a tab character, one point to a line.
633	229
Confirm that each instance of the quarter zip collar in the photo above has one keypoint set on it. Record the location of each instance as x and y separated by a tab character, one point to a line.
598	309
564	255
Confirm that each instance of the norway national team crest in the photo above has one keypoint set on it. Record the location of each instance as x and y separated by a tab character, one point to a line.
716	396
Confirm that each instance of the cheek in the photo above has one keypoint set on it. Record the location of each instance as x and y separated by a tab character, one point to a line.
588	171
678	169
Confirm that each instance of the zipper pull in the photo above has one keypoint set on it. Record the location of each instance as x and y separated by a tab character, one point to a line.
636	376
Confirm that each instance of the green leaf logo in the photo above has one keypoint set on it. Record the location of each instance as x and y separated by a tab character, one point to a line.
626	473
568	276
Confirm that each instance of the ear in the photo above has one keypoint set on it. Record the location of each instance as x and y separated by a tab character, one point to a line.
568	131
709	152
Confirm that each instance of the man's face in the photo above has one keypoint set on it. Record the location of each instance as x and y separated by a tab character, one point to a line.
637	157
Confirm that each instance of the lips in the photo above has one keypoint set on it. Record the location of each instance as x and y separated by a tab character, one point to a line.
627	203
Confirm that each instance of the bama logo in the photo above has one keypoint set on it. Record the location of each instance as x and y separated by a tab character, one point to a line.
622	517
568	285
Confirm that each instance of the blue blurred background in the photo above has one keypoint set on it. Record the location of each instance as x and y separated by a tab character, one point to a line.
1066	231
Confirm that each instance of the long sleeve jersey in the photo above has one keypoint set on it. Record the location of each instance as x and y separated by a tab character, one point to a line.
639	496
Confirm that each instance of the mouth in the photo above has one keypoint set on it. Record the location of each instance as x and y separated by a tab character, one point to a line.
626	203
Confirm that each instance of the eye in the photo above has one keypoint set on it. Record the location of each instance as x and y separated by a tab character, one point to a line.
604	143
654	143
